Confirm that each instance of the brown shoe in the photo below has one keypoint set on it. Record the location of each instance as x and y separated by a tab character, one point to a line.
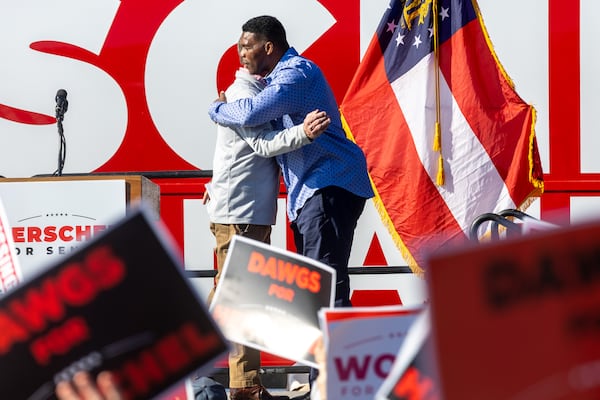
253	393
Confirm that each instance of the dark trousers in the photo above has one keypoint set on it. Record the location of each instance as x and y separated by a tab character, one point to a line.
324	231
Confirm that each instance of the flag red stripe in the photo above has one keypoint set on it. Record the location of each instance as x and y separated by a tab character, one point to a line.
507	147
421	217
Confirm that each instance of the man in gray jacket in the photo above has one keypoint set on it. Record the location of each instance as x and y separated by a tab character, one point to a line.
243	201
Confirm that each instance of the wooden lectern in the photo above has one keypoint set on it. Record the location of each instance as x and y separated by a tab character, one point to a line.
139	189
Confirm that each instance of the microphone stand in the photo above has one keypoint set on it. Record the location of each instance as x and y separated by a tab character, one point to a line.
62	150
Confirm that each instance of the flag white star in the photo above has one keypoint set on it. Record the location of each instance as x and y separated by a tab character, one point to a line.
400	39
417	41
444	13
430	32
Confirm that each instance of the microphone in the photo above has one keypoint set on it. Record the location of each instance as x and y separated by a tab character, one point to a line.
61	103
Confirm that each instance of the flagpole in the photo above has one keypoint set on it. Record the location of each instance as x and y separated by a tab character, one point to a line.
437	139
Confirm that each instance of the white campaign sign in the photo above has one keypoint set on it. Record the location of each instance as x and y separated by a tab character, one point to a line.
361	346
51	219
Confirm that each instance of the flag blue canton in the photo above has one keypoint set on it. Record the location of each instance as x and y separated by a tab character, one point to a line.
406	30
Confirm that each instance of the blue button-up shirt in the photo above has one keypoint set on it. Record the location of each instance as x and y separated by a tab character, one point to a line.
295	87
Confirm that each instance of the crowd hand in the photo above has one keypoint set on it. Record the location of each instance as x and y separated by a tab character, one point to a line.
321	359
83	387
205	197
315	123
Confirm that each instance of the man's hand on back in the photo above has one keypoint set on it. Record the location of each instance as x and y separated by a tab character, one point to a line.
315	123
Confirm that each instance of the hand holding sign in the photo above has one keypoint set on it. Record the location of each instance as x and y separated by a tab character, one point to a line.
269	298
83	387
72	317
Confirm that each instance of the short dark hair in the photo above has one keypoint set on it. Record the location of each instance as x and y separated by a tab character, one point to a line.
269	28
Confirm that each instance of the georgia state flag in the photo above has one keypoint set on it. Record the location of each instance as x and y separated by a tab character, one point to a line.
418	79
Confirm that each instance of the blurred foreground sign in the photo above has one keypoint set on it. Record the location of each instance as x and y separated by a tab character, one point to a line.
519	319
361	345
269	299
118	303
10	269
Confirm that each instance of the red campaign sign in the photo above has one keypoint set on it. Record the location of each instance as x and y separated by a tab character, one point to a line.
269	299
518	319
120	303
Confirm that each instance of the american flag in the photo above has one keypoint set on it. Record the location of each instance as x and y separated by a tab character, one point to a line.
419	78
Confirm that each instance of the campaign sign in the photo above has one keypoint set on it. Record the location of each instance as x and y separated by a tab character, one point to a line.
49	219
361	345
10	269
519	319
414	373
268	299
119	303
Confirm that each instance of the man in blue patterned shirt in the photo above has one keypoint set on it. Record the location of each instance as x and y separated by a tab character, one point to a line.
327	181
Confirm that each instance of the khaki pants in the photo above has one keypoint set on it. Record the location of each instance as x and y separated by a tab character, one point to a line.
244	362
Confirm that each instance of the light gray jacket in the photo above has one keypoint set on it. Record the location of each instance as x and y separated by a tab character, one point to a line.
245	180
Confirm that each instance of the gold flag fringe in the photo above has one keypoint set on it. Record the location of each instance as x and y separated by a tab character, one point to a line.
538	184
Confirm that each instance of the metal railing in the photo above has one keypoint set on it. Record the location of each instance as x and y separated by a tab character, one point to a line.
498	220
